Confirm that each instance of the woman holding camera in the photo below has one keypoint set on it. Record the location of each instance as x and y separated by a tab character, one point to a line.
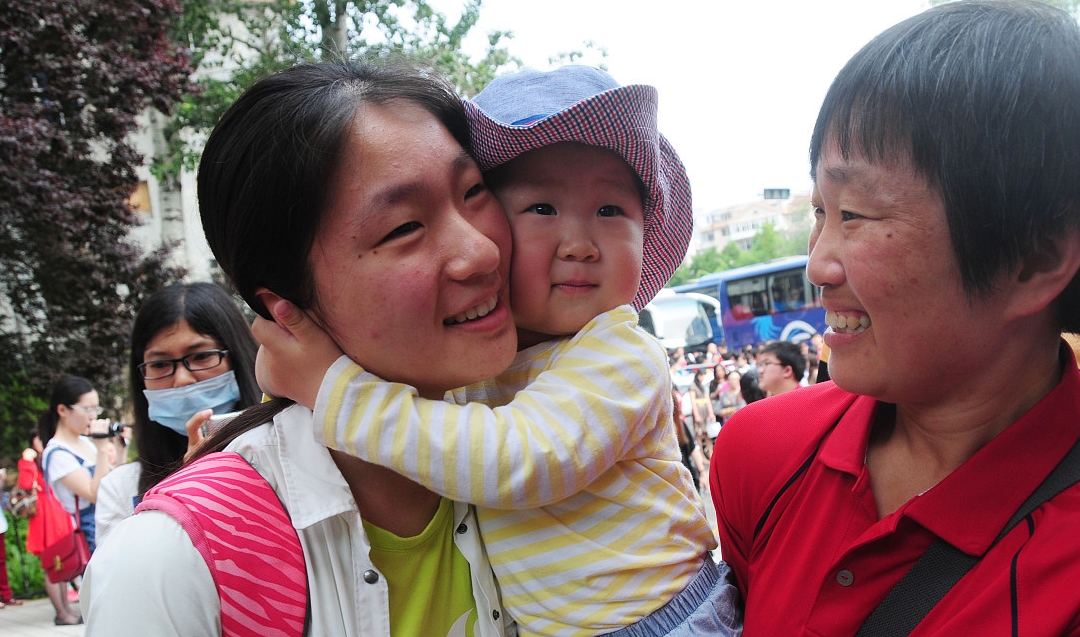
192	355
74	464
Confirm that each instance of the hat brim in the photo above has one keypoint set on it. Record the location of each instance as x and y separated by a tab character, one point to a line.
622	120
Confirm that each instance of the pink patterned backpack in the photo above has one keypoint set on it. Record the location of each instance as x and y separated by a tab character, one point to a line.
239	526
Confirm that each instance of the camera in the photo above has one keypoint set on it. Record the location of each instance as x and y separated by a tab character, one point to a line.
115	429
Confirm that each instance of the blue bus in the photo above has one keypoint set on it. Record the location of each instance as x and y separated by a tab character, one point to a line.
764	301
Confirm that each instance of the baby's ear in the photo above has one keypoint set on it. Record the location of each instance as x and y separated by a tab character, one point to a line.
266	299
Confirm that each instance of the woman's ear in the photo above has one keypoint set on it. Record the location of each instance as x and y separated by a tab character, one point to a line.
1045	273
266	300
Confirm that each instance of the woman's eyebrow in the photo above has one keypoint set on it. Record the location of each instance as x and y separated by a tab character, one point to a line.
196	346
397	193
840	174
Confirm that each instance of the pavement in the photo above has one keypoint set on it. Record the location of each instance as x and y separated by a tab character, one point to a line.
34	618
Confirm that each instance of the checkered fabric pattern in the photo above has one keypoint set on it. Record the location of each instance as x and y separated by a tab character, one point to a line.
527	110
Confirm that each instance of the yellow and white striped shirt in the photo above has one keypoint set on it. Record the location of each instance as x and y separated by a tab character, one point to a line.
589	517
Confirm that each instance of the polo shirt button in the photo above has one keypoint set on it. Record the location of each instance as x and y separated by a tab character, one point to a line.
845	578
495	614
461	529
371	577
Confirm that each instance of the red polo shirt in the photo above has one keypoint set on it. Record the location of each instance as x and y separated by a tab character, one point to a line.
817	561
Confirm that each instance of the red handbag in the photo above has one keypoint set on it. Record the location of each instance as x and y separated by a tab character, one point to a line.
65	558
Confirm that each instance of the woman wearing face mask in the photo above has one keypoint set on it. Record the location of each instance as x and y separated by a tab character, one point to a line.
74	464
192	355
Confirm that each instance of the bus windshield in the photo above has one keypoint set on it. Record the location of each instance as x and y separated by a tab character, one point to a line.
679	320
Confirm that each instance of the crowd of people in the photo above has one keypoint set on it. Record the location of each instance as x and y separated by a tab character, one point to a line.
192	356
544	474
724	381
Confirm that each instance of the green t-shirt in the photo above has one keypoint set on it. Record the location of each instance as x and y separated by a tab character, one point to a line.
429	579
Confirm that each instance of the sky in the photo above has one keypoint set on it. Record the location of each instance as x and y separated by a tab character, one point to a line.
740	82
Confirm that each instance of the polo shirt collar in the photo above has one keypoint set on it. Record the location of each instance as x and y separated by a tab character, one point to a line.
970	506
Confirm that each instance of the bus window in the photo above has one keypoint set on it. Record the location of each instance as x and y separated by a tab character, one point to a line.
788	292
747	298
815	294
681	320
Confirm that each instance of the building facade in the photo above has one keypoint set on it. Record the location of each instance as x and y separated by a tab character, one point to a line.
739	223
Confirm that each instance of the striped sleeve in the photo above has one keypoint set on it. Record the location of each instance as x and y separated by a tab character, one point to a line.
606	387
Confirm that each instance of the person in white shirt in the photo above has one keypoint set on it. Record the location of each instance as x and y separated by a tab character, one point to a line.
192	356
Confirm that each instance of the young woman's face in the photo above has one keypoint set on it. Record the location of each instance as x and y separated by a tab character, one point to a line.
412	257
78	416
177	341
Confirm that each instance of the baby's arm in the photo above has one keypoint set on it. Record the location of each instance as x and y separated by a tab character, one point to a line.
294	353
604	393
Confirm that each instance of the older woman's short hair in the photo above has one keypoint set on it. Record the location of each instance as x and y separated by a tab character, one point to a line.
981	98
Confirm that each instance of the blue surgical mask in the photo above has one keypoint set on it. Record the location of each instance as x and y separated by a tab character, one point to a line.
174	407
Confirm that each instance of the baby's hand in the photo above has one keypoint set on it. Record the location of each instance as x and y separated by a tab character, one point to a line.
294	354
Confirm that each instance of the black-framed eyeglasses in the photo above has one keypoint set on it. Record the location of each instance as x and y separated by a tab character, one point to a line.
194	362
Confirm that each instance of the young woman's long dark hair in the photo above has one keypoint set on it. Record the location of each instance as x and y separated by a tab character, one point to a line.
209	311
67	391
265	174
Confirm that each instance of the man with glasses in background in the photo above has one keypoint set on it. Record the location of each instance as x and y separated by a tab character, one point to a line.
780	367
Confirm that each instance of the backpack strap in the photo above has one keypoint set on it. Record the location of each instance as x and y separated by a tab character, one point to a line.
237	523
48	453
943	565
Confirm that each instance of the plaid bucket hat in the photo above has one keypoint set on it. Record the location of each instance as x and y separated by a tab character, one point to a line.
530	109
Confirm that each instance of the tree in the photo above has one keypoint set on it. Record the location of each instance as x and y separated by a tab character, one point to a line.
19	411
235	43
75	76
703	262
768	244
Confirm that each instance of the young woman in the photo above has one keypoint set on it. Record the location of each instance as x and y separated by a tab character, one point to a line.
705	423
74	464
728	397
192	356
349	191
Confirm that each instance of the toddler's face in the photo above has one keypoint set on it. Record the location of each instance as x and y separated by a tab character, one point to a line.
578	223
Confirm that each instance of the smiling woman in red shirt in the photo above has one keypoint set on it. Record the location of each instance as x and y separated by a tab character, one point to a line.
947	220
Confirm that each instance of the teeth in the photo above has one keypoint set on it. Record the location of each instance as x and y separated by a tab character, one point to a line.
847	323
474	312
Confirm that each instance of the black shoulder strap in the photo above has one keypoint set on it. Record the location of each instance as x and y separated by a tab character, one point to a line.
795	476
943	565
